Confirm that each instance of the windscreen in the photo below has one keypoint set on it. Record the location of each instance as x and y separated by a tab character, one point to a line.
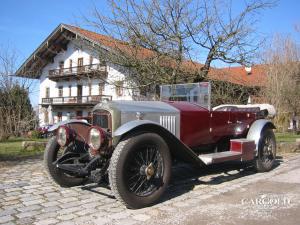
198	93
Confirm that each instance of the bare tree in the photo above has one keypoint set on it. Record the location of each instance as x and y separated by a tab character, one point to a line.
283	84
163	41
15	108
225	92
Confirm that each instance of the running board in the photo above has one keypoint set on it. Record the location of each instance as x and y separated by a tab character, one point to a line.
220	157
240	149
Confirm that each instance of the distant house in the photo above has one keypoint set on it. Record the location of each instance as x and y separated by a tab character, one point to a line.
73	79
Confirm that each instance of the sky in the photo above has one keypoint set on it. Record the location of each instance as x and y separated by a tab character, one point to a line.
25	24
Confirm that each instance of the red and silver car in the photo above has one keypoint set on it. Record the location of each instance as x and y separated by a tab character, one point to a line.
134	143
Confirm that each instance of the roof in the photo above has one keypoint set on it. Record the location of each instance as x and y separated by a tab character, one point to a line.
109	42
63	33
45	52
238	75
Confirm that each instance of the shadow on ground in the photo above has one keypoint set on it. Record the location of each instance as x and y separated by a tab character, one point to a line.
185	177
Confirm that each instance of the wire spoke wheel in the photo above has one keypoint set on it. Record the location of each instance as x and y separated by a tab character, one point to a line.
140	170
144	170
266	151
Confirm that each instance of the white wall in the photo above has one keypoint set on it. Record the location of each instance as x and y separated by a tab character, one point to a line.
115	73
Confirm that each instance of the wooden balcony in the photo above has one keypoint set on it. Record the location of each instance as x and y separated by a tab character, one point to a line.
76	100
77	72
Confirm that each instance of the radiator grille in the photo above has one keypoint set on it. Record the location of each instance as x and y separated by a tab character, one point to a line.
102	119
168	122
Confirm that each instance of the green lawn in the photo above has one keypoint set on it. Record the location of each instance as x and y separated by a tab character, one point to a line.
12	149
286	137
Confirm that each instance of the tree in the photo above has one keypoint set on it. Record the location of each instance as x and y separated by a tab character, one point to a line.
161	41
224	92
283	84
16	112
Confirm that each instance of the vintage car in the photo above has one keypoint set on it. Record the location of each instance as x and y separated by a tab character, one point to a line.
134	143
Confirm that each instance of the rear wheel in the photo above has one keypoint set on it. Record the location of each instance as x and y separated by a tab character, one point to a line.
52	152
266	151
140	170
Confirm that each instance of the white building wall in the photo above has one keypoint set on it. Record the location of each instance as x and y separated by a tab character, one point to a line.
115	74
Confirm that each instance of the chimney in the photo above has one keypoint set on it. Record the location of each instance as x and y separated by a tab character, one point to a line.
248	70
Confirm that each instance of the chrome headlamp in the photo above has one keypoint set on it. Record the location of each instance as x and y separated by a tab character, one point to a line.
96	138
63	135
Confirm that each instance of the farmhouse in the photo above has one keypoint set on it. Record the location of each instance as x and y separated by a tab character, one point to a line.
73	79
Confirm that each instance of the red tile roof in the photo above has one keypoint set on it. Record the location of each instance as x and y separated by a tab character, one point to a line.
111	42
237	75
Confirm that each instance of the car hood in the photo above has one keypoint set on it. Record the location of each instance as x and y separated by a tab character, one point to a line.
138	106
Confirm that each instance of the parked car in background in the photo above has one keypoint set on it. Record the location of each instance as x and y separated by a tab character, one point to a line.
44	130
134	143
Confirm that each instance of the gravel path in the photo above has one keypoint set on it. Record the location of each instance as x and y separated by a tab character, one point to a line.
27	196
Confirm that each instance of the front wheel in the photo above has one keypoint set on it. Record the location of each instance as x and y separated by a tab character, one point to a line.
140	170
266	151
52	152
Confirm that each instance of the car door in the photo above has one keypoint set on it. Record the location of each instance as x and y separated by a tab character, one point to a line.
239	122
219	123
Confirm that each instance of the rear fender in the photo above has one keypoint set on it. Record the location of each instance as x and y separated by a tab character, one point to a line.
255	131
177	148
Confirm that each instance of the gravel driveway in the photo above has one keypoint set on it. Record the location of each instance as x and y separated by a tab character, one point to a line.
27	196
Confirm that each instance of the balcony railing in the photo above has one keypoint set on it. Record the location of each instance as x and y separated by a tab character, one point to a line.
76	100
77	70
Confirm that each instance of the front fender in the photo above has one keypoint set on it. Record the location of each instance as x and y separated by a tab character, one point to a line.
80	127
177	148
131	125
57	125
256	128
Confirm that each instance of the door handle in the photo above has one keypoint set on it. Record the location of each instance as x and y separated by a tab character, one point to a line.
229	122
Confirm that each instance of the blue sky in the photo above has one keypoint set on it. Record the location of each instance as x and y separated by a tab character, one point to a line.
25	24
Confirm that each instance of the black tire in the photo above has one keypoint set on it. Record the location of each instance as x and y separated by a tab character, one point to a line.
124	163
50	155
266	152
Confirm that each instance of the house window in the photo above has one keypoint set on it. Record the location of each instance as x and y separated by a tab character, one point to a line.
80	65
59	116
70	65
101	88
70	90
60	91
61	67
119	88
47	92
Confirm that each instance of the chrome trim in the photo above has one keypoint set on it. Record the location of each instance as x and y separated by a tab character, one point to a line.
168	122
